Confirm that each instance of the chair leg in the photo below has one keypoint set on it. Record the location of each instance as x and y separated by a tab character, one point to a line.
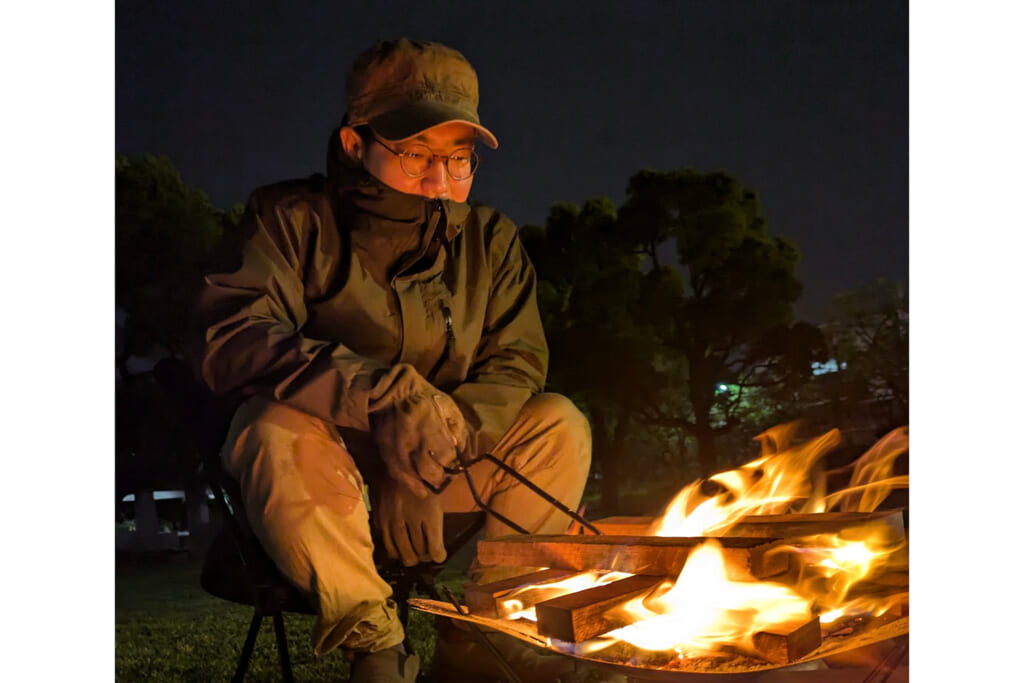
282	648
247	648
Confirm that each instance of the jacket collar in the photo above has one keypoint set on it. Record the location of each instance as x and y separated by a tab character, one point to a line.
371	201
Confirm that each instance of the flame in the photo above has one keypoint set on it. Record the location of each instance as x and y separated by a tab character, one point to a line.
871	481
771	484
830	567
703	611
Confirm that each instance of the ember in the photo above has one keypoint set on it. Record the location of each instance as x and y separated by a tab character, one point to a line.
763	566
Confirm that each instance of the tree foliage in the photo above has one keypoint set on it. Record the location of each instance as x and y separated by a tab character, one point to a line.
652	309
727	300
868	331
600	354
165	230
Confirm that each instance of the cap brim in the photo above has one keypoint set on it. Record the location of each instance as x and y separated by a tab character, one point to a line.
411	120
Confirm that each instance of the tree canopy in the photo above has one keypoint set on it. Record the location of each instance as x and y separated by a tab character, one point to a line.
674	311
868	331
600	354
165	230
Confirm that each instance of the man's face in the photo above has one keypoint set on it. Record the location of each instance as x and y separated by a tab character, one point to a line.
436	183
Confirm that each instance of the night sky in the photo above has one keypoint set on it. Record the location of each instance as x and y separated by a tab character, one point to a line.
805	102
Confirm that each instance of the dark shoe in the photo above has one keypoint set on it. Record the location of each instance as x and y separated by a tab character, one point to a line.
392	665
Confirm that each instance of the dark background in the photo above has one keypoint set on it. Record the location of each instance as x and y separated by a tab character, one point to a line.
806	102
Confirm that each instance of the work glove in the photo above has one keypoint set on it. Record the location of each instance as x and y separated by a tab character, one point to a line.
411	527
418	429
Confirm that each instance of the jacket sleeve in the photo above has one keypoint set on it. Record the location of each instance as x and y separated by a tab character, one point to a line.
511	361
252	317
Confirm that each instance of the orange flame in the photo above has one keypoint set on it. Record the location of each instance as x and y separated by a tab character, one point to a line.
703	609
772	484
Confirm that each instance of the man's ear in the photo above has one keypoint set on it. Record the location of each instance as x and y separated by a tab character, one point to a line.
351	143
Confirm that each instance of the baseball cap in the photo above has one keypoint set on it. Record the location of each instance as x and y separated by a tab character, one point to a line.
403	87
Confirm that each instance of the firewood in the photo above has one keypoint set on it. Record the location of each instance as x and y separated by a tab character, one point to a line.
889	522
746	558
786	643
625	525
587	613
485	598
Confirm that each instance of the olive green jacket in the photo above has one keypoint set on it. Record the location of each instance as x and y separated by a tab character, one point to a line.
334	280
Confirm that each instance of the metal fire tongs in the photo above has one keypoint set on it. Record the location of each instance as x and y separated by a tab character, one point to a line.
463	468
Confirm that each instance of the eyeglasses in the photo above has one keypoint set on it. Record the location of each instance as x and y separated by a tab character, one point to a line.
417	159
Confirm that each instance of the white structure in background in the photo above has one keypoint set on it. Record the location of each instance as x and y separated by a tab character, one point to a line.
144	532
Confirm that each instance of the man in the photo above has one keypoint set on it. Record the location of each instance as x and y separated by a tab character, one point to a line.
380	329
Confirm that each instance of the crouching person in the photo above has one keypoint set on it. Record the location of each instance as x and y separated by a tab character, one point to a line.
379	329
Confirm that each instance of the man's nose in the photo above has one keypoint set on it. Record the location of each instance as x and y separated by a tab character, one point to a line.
436	179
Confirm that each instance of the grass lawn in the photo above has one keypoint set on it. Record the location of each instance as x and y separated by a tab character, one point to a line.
168	629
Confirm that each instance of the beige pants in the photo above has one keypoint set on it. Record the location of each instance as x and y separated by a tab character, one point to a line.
304	497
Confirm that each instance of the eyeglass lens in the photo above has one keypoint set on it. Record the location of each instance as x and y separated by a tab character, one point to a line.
460	164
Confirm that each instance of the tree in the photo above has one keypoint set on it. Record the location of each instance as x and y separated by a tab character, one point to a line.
165	230
868	331
587	289
725	307
694	344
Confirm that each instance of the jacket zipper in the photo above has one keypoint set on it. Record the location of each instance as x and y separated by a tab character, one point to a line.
446	315
449	343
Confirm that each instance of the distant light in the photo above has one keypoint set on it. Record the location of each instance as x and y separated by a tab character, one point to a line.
157	495
722	387
826	367
166	495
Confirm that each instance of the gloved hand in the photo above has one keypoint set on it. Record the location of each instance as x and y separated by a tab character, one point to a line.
411	527
418	429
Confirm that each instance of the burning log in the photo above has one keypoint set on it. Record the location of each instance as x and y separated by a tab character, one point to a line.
786	643
890	522
587	613
747	558
485	598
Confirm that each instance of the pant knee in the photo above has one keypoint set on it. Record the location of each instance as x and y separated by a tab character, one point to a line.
282	456
566	424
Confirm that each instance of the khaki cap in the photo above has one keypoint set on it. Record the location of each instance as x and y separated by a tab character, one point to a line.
404	87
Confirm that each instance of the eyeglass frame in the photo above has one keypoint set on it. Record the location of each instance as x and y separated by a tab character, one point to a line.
433	155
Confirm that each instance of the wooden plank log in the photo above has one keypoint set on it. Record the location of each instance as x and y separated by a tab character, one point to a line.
846	524
786	643
485	599
625	525
746	559
587	613
889	522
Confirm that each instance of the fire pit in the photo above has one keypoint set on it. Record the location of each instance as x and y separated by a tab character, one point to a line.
756	572
874	644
